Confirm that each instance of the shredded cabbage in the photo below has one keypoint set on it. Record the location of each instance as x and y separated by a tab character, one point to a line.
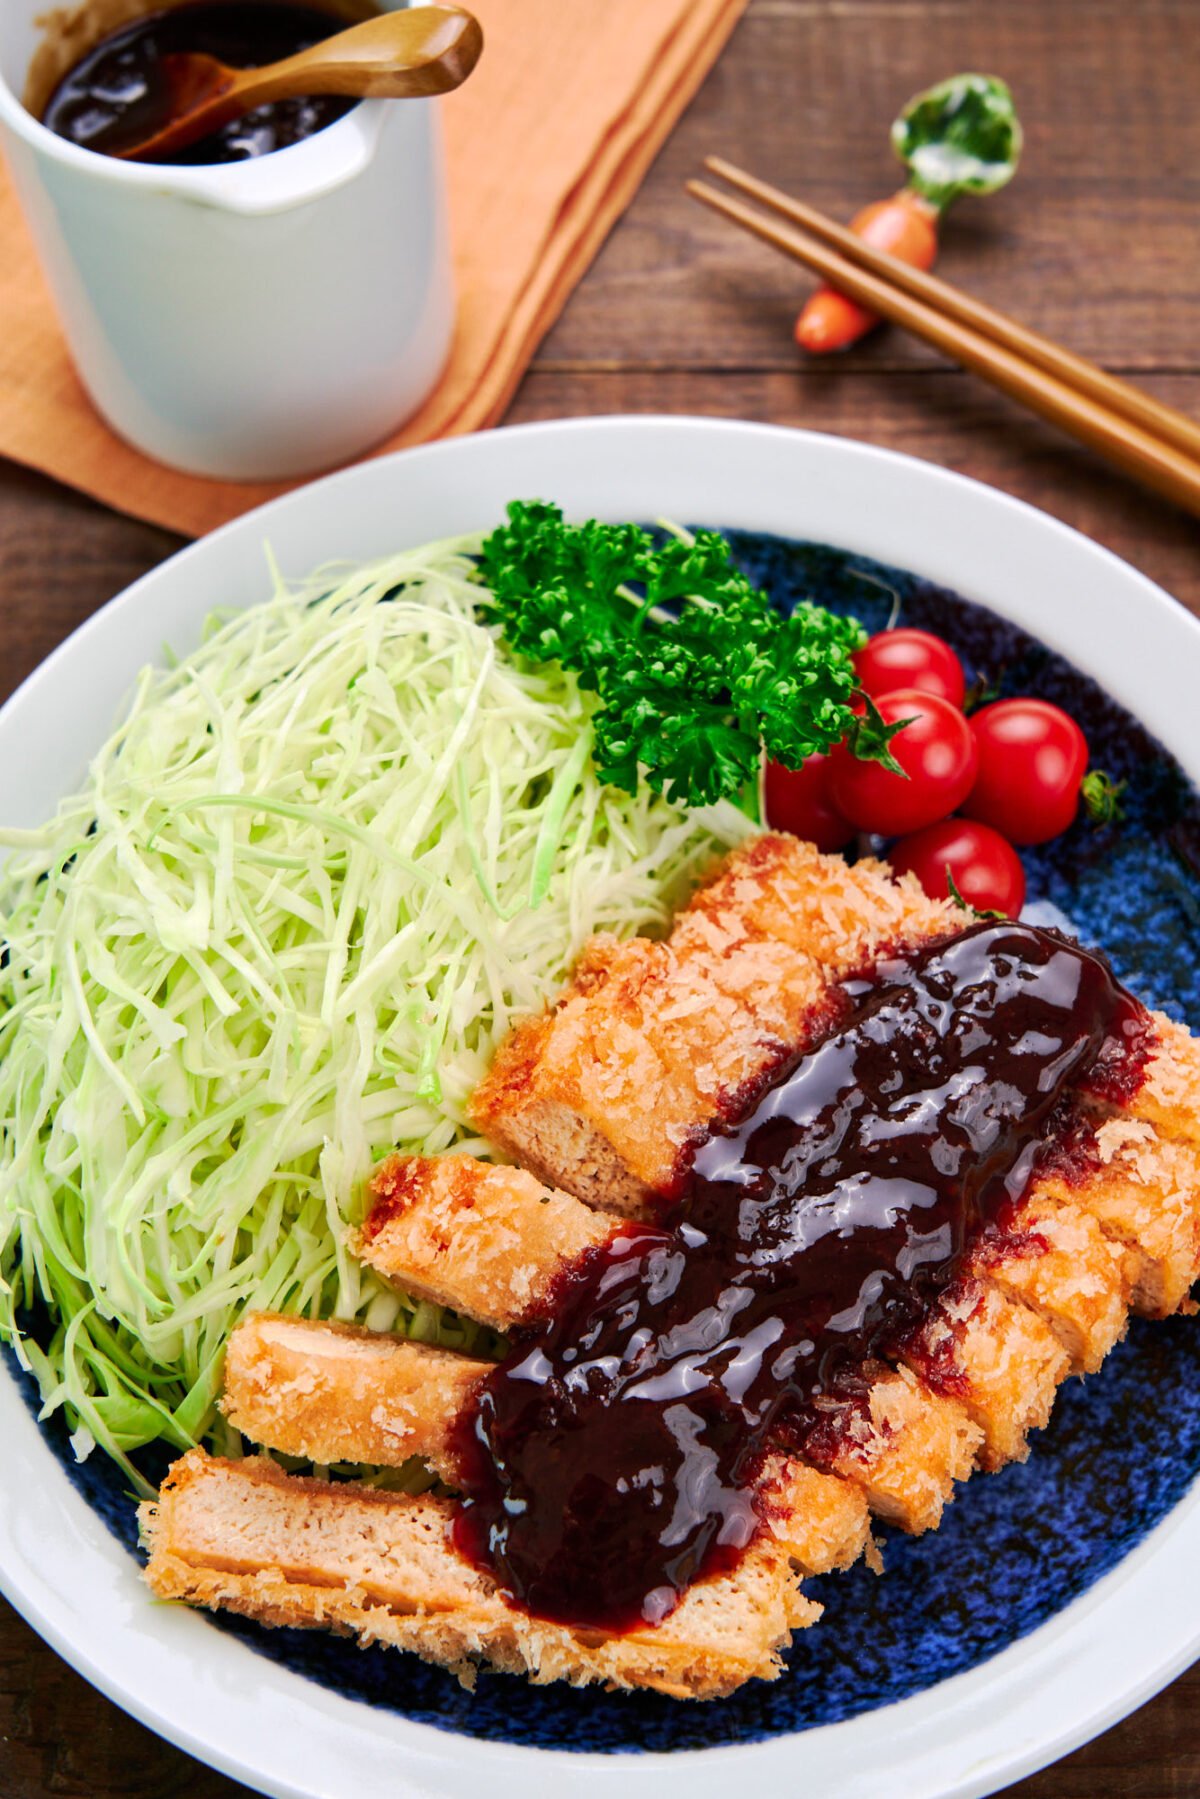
309	882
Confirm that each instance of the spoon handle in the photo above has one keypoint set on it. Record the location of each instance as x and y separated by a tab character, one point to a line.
399	55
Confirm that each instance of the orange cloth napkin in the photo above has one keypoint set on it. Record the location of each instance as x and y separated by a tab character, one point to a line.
546	145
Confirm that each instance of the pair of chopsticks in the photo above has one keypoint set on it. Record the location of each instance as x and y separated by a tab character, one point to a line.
1157	445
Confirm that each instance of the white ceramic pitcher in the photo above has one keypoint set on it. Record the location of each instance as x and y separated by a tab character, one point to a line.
252	320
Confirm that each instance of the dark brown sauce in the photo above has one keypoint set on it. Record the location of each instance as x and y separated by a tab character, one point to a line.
117	96
611	1459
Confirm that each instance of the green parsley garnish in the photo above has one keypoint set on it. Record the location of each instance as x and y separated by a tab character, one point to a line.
696	672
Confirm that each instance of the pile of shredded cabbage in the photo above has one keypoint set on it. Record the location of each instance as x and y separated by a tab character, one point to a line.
309	882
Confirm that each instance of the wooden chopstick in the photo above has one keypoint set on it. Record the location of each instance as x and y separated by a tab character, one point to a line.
1076	371
1139	449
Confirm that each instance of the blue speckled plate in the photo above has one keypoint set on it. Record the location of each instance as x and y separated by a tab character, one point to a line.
1015	1551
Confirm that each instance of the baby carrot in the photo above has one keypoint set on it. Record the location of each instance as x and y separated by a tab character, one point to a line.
904	226
960	137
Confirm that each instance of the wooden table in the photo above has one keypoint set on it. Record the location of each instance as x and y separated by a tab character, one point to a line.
1097	243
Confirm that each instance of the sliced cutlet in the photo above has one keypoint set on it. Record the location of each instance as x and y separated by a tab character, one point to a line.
580	1098
334	1394
331	1416
1054	1258
445	1227
415	1215
1073	1255
910	1446
245	1537
603	1094
1169	1095
1143	1190
778	888
999	1359
339	1395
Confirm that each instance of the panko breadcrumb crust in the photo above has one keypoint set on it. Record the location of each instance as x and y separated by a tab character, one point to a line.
600	1098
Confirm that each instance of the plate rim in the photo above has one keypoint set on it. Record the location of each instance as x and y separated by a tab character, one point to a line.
448	1759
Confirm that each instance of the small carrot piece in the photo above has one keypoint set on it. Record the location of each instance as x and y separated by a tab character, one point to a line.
904	226
960	137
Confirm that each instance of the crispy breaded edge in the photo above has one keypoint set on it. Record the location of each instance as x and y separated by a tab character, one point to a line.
331	1393
776	915
778	887
1037	1307
518	1108
911	1447
383	1567
1144	1192
296	1386
1001	1361
491	1241
603	1094
1169	1095
496	1267
1055	1259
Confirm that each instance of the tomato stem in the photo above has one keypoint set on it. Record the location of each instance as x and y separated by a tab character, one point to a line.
1102	797
966	905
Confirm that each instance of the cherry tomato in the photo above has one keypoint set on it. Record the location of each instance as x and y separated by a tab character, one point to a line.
986	869
916	660
937	753
1032	758
797	800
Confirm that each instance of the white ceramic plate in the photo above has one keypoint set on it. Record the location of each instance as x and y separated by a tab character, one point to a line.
1103	1654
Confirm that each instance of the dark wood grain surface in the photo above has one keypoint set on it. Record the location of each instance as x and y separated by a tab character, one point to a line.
1098	243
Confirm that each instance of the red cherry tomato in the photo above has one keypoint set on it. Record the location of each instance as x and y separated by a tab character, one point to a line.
912	659
985	868
1032	758
797	800
937	753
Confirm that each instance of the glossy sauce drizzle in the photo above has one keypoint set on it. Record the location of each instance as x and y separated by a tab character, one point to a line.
611	1459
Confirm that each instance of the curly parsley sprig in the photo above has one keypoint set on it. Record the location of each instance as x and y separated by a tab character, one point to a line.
696	672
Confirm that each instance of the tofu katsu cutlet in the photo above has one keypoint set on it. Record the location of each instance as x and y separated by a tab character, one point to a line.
285	1550
821	1199
604	1093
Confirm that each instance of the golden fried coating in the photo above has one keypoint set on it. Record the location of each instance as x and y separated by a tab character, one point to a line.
1169	1096
1056	1260
1001	1362
245	1537
601	1099
482	1239
603	1094
585	1102
824	1523
907	1451
1144	1193
778	888
334	1394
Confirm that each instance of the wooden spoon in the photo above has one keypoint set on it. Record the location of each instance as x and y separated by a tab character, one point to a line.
398	56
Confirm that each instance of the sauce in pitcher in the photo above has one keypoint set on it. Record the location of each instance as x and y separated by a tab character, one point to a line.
117	95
